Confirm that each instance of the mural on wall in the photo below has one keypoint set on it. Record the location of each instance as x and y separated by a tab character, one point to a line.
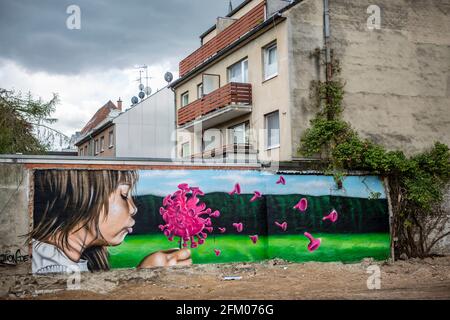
101	219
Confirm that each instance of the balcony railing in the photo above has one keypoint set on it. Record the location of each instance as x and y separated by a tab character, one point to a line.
231	94
246	23
239	151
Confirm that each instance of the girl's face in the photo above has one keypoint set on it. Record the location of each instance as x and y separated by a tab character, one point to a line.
119	221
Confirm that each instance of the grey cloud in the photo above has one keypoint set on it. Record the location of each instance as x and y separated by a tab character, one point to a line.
114	33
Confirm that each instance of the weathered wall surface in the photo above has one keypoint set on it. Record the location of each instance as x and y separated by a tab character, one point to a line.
397	78
443	246
14	217
305	34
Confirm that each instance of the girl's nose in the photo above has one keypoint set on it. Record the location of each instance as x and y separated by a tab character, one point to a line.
133	208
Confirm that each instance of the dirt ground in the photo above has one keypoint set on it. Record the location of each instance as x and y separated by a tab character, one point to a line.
412	279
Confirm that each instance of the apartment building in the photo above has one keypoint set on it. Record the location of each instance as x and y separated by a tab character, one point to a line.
245	93
145	130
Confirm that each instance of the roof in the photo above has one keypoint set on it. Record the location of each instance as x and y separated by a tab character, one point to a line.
99	116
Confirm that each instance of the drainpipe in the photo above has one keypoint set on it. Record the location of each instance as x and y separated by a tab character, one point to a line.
326	17
176	116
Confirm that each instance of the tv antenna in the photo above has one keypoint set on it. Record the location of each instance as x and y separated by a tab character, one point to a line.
143	90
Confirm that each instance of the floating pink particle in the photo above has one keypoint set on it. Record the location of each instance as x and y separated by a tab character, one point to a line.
281	180
332	216
217	252
302	205
239	226
283	225
256	196
184	216
314	244
254	239
236	190
222	230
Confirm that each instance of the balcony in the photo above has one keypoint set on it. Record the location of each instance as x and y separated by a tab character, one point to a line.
239	28
221	105
232	153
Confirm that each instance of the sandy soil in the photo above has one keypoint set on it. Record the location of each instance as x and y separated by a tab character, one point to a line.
413	279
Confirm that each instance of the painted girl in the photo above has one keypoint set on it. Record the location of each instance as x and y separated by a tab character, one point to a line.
79	213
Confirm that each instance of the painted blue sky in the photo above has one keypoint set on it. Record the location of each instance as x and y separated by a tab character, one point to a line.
164	182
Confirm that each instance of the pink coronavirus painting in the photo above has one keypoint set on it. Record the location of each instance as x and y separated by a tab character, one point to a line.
314	244
217	252
281	180
256	195
302	205
236	190
254	239
186	217
238	226
283	225
332	216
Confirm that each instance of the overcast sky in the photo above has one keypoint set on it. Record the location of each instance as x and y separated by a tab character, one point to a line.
90	66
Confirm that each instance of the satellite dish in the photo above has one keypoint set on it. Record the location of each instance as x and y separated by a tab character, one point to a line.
148	91
134	100
141	87
142	94
168	77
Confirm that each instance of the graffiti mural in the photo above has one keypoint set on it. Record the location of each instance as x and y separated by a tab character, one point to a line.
96	220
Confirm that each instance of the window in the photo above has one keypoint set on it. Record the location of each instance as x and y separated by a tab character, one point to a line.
96	146
239	133
273	130
102	144
270	62
185	150
111	138
185	99
81	151
238	72
86	151
200	91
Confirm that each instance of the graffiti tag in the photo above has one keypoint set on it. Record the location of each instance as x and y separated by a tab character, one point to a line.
9	257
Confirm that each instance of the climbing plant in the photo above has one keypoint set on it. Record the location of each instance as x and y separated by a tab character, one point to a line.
416	184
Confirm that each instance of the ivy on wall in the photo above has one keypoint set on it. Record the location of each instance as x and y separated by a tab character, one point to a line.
417	184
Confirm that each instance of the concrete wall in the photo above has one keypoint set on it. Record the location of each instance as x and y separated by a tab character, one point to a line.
147	129
397	78
305	34
14	217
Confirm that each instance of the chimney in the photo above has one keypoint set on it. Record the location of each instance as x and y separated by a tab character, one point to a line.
119	104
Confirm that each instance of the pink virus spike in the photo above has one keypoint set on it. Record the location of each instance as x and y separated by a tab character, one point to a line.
332	216
254	239
239	226
281	180
256	196
215	214
302	205
186	217
217	252
314	244
222	230
236	190
283	225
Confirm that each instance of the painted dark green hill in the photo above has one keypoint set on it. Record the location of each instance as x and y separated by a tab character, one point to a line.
356	215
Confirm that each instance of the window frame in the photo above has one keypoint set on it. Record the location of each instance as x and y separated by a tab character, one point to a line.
111	139
246	125
102	144
182	149
200	91
96	147
184	94
244	72
268	131
266	55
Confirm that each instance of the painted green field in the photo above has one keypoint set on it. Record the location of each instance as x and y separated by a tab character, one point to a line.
239	248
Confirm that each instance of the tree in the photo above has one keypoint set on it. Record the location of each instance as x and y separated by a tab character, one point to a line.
24	123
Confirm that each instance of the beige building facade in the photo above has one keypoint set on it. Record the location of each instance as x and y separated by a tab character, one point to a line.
231	98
